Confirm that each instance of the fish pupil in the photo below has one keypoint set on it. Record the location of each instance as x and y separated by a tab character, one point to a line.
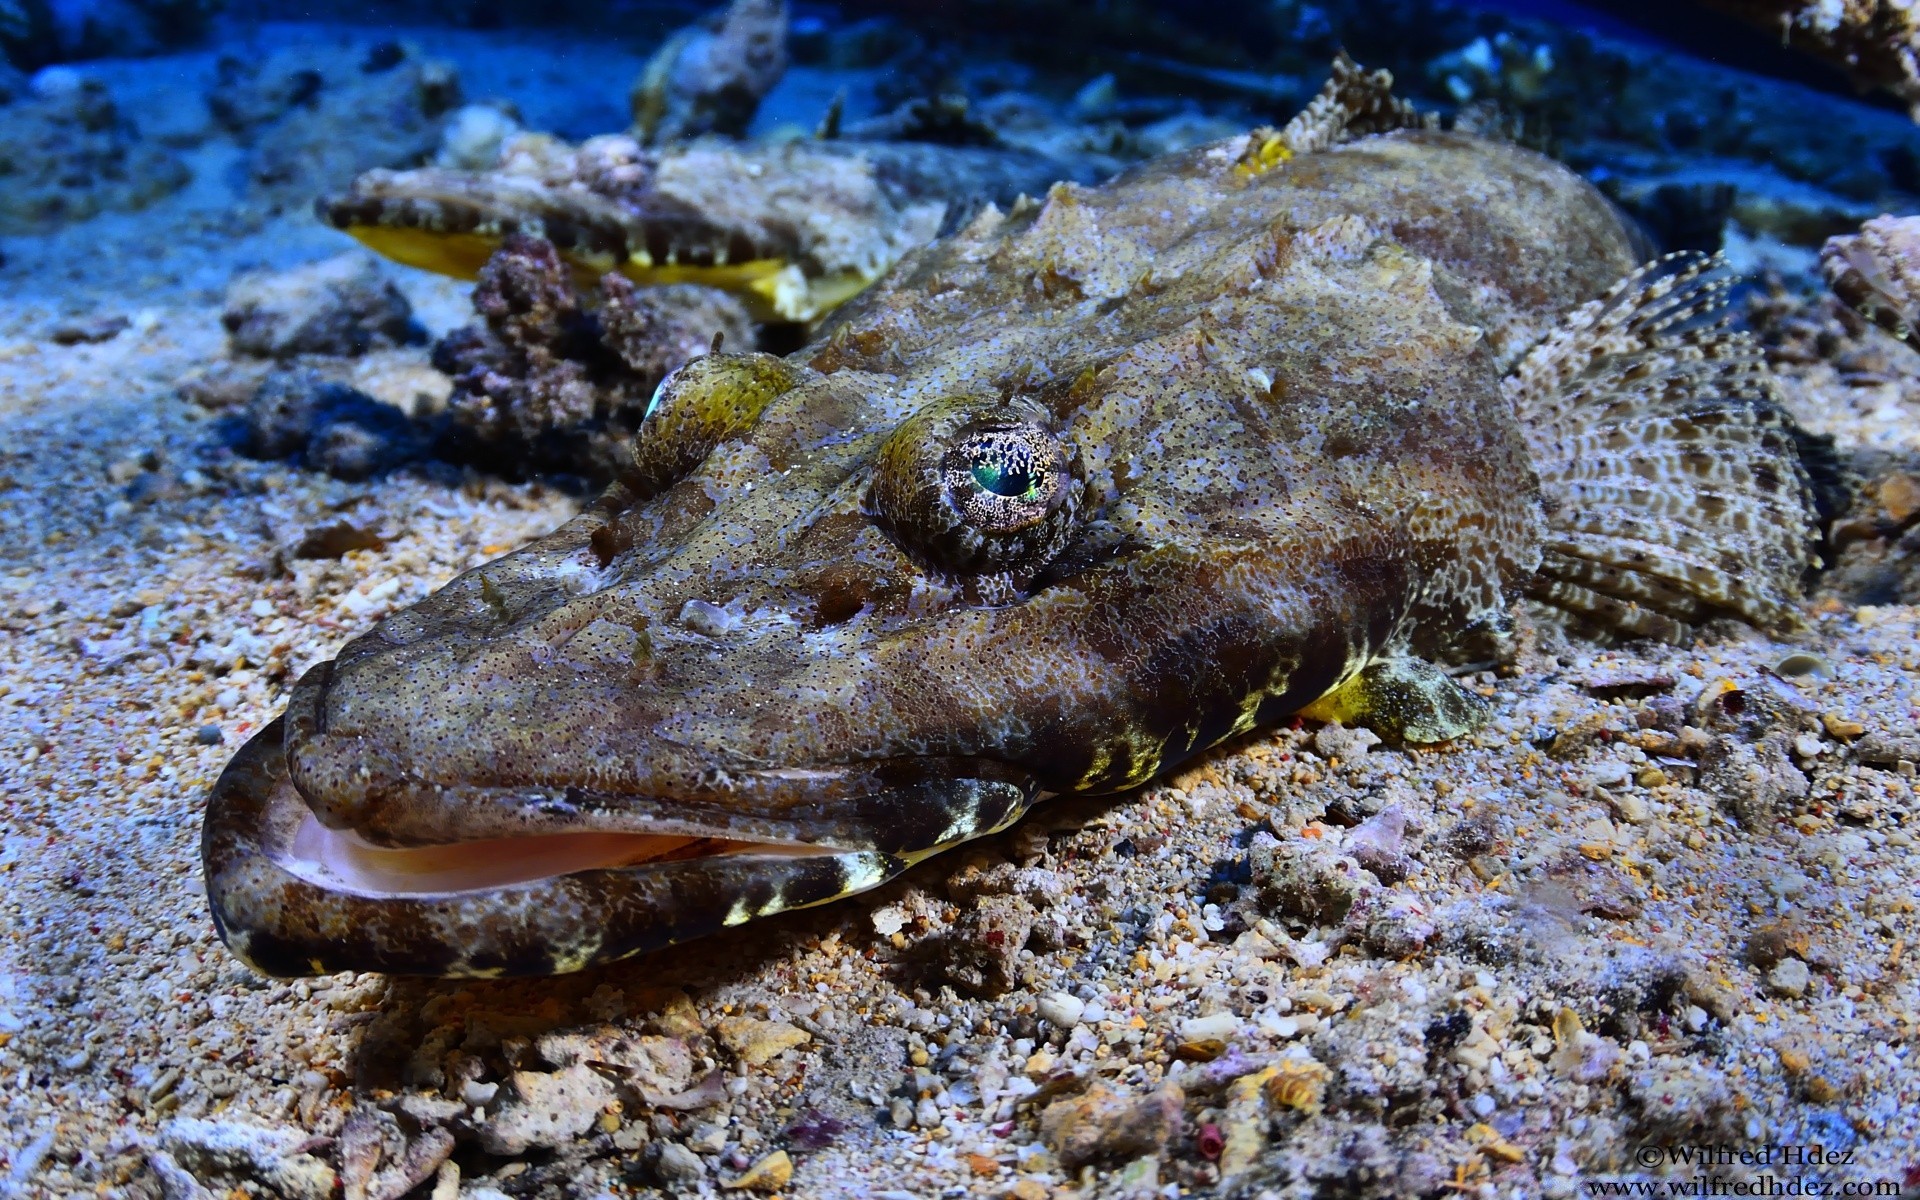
1012	482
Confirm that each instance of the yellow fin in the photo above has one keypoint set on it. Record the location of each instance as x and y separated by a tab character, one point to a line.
460	255
1403	699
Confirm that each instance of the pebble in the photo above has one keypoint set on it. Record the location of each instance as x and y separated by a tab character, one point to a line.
770	1174
754	1041
1789	978
1609	772
677	1164
208	735
1216	1027
1061	1009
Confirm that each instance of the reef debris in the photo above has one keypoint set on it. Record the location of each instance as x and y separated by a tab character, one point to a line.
34	33
338	306
313	119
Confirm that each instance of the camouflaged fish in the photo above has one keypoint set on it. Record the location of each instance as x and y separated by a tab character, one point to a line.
1283	424
792	230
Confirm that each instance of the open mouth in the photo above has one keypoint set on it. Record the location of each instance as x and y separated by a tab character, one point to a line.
343	861
291	896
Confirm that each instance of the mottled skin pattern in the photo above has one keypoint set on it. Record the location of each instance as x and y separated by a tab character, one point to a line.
1279	392
791	230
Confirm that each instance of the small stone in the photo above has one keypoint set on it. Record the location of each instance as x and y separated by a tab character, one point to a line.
770	1174
1029	1189
1379	844
89	329
546	1110
1217	1027
208	735
1842	728
1102	1123
982	1164
1789	978
1629	808
1899	494
1061	1009
1343	743
754	1041
1610	772
677	1164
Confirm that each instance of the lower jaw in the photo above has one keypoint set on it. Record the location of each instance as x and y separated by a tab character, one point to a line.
292	898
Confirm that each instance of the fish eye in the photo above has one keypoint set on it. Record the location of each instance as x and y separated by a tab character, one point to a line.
971	487
1006	480
699	405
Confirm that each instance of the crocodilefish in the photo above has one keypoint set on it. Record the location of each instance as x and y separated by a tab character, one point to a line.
1284	424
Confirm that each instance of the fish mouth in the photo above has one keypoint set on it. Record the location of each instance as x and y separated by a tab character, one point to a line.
291	896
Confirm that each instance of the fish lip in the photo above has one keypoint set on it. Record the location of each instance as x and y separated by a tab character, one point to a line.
284	918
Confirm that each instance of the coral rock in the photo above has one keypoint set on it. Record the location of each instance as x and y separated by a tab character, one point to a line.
1877	43
754	1041
546	1109
550	384
340	306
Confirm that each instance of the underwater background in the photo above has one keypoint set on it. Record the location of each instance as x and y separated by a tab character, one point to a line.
252	401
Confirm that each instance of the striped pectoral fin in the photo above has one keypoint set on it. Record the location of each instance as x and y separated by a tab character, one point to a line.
1405	700
1671	475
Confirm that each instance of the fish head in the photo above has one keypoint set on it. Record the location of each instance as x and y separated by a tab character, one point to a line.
819	631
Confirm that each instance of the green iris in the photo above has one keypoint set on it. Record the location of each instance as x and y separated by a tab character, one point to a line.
1013	482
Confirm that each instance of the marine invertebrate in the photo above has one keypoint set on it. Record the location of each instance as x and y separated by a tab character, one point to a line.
1278	425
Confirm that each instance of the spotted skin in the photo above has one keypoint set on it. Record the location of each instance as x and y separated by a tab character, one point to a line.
1275	380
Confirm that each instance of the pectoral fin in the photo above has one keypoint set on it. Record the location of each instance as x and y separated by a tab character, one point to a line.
1405	699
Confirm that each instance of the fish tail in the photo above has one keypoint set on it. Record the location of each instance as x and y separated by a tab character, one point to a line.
1671	476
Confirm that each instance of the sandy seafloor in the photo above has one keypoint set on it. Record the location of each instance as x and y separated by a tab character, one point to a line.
1597	951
